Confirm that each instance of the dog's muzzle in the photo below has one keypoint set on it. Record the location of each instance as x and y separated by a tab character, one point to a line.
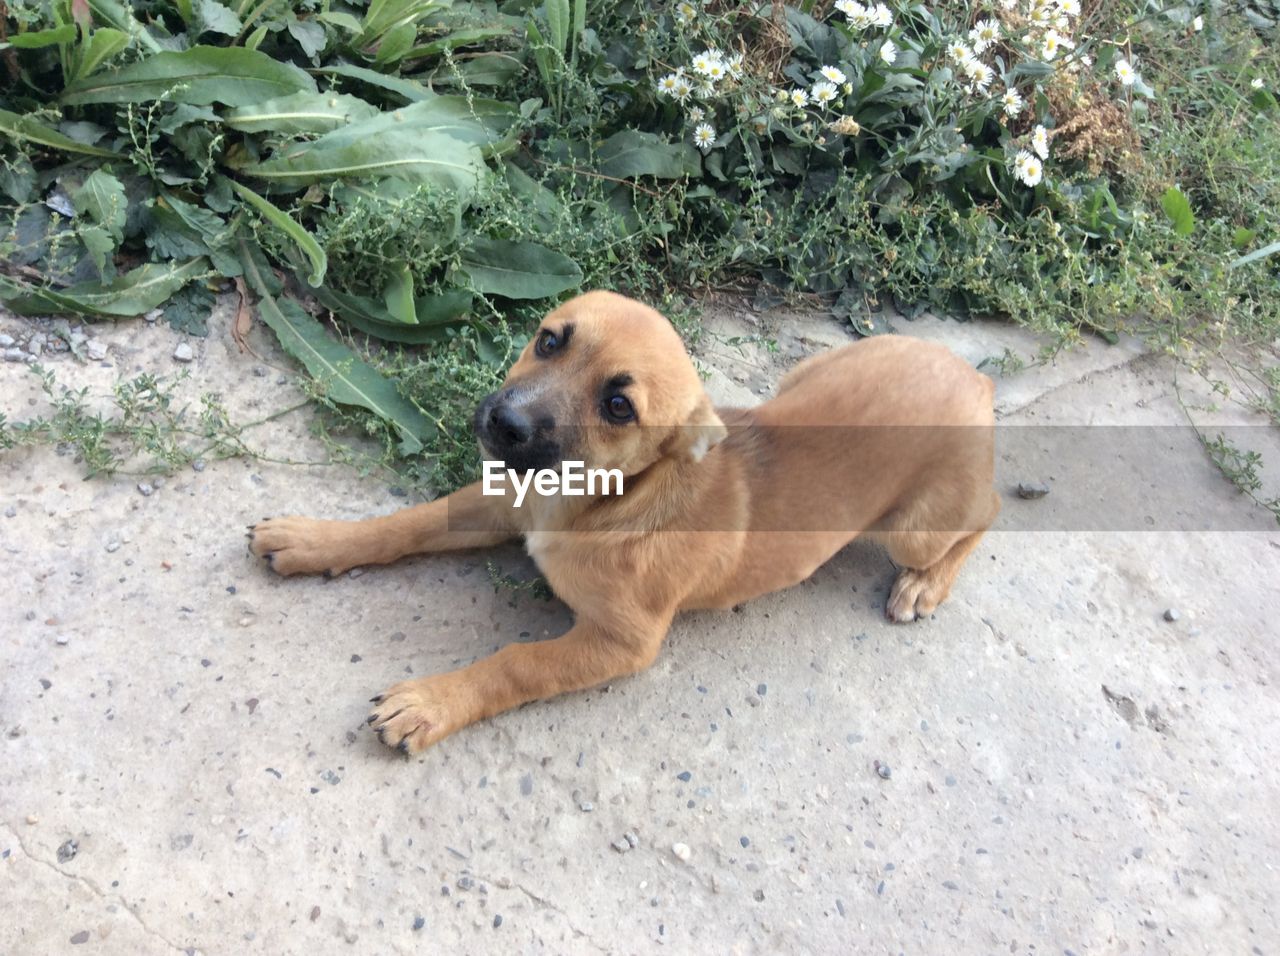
521	437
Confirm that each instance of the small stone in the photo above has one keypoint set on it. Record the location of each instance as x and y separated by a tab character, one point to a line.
1032	489
96	350
355	572
10	512
418	923
497	920
758	896
32	819
685	775
80	937
1171	614
586	806
183	353
681	852
198	465
113	546
153	315
6	340
15	355
260	371
883	770
315	913
67	852
632	838
145	488
62	639
621	845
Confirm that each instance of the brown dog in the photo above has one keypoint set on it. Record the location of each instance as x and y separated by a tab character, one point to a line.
891	437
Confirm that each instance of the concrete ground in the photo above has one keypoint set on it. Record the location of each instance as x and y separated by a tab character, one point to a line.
1047	766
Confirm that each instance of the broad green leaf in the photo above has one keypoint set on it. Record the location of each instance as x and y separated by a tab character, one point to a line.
1242	237
634	153
478	122
101	246
1267	250
415	156
411	91
1178	210
291	228
398	296
310	36
188	309
395	44
518	270
24	127
487	69
217	18
101	198
232	76
385	15
131	294
557	12
300	113
37	39
458	38
434	312
344	20
103	45
116	14
345	377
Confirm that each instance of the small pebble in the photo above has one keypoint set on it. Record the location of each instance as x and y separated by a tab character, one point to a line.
355	572
145	488
497	920
62	639
632	838
113	546
96	350
586	806
6	341
419	922
1171	614
883	770
10	512
15	355
32	819
259	371
1032	489
762	689
621	845
681	852
744	842
67	852
198	465
686	776
183	353
153	315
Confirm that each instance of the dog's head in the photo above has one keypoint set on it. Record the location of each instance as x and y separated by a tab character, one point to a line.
606	381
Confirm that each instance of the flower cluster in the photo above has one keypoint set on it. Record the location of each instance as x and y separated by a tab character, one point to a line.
874	16
708	69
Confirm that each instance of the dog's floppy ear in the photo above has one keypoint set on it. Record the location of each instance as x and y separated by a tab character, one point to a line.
701	432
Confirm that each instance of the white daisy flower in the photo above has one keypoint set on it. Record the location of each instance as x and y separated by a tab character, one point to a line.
683	89
833	74
716	71
706	90
849	7
888	52
704	136
980	75
1197	24
703	62
959	51
667	85
685	13
1124	72
1256	83
697	114
733	66
1040	142
823	93
1069	8
1050	46
882	16
1028	168
984	34
1011	102
800	97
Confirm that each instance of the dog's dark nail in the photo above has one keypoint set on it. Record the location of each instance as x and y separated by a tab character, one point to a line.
376	700
403	746
328	573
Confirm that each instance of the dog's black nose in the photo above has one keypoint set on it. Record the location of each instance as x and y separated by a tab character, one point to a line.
510	425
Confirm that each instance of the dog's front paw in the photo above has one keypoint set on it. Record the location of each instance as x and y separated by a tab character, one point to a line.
915	594
415	714
296	545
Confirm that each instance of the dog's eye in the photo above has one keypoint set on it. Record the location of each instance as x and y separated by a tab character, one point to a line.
619	409
547	343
